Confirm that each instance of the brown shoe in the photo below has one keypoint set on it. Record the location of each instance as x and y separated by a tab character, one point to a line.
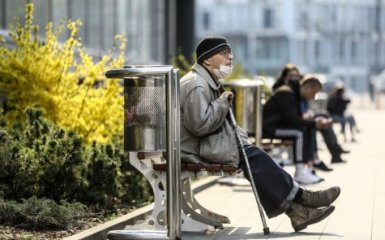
301	216
321	198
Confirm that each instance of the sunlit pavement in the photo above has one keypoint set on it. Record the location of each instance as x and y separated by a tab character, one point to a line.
360	209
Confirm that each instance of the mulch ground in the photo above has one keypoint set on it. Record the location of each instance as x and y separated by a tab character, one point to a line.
10	232
17	233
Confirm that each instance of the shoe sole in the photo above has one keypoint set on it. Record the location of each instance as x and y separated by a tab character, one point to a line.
324	169
309	183
303	226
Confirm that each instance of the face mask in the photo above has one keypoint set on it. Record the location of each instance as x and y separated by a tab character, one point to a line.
292	80
223	71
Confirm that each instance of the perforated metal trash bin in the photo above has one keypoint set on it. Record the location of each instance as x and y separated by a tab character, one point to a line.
151	124
247	104
144	114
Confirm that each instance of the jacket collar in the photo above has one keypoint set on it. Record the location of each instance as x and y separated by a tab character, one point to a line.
203	72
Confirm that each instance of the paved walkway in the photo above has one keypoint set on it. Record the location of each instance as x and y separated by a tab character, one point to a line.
360	209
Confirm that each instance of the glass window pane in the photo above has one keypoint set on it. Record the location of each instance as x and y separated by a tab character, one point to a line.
77	10
93	23
14	8
41	14
109	16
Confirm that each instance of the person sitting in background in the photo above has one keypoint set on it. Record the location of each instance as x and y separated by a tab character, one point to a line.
336	106
290	74
307	113
282	118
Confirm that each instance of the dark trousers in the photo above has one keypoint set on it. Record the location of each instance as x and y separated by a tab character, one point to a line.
331	142
275	187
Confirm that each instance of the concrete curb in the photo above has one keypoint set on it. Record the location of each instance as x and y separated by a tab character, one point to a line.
100	232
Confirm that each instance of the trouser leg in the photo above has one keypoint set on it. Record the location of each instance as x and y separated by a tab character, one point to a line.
313	143
331	142
352	124
275	186
301	137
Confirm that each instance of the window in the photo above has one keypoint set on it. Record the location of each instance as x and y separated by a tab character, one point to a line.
353	51
93	24
268	18
272	49
108	24
42	9
341	50
303	20
77	10
14	9
206	21
3	16
317	52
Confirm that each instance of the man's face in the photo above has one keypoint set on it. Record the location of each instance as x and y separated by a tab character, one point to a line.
224	57
309	91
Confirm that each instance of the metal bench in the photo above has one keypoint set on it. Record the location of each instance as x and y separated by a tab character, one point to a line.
281	150
195	217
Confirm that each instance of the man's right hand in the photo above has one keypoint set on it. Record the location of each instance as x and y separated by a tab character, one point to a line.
228	95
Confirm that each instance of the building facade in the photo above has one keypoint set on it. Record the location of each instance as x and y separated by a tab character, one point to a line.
142	21
343	39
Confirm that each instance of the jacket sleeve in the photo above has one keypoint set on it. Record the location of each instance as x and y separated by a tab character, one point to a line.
331	105
202	115
290	111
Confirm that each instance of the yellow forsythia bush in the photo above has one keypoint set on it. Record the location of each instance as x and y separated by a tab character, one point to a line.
62	79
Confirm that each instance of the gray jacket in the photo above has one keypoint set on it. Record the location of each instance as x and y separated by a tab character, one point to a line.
203	113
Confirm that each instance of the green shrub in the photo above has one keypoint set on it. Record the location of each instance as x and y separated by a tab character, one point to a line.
35	213
42	160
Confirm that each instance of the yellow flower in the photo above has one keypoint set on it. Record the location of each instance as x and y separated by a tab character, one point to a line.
75	95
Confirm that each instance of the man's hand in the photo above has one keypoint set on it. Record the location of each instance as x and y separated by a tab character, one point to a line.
228	95
323	123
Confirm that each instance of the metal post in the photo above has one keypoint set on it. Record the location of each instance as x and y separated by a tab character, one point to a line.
266	229
173	167
258	116
177	162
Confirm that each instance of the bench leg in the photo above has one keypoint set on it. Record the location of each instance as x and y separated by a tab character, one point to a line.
192	206
157	220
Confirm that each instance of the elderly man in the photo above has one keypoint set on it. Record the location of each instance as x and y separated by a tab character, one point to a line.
207	136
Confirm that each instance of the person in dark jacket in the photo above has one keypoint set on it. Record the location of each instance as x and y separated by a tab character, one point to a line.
336	106
204	117
282	118
289	74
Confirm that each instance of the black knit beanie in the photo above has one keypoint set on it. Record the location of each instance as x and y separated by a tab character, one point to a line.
209	46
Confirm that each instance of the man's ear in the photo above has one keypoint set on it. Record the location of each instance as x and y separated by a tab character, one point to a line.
207	62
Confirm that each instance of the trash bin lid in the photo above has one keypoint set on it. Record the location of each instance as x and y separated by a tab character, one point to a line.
243	83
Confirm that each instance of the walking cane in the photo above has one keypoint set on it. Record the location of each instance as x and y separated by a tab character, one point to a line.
243	152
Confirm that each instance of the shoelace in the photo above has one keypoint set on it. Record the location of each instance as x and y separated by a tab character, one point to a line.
311	195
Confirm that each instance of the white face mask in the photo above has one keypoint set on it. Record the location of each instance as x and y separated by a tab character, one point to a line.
223	71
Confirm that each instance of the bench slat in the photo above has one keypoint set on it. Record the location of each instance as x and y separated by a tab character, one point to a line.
198	167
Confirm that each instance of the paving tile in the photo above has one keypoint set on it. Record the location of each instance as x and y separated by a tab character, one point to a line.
360	210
